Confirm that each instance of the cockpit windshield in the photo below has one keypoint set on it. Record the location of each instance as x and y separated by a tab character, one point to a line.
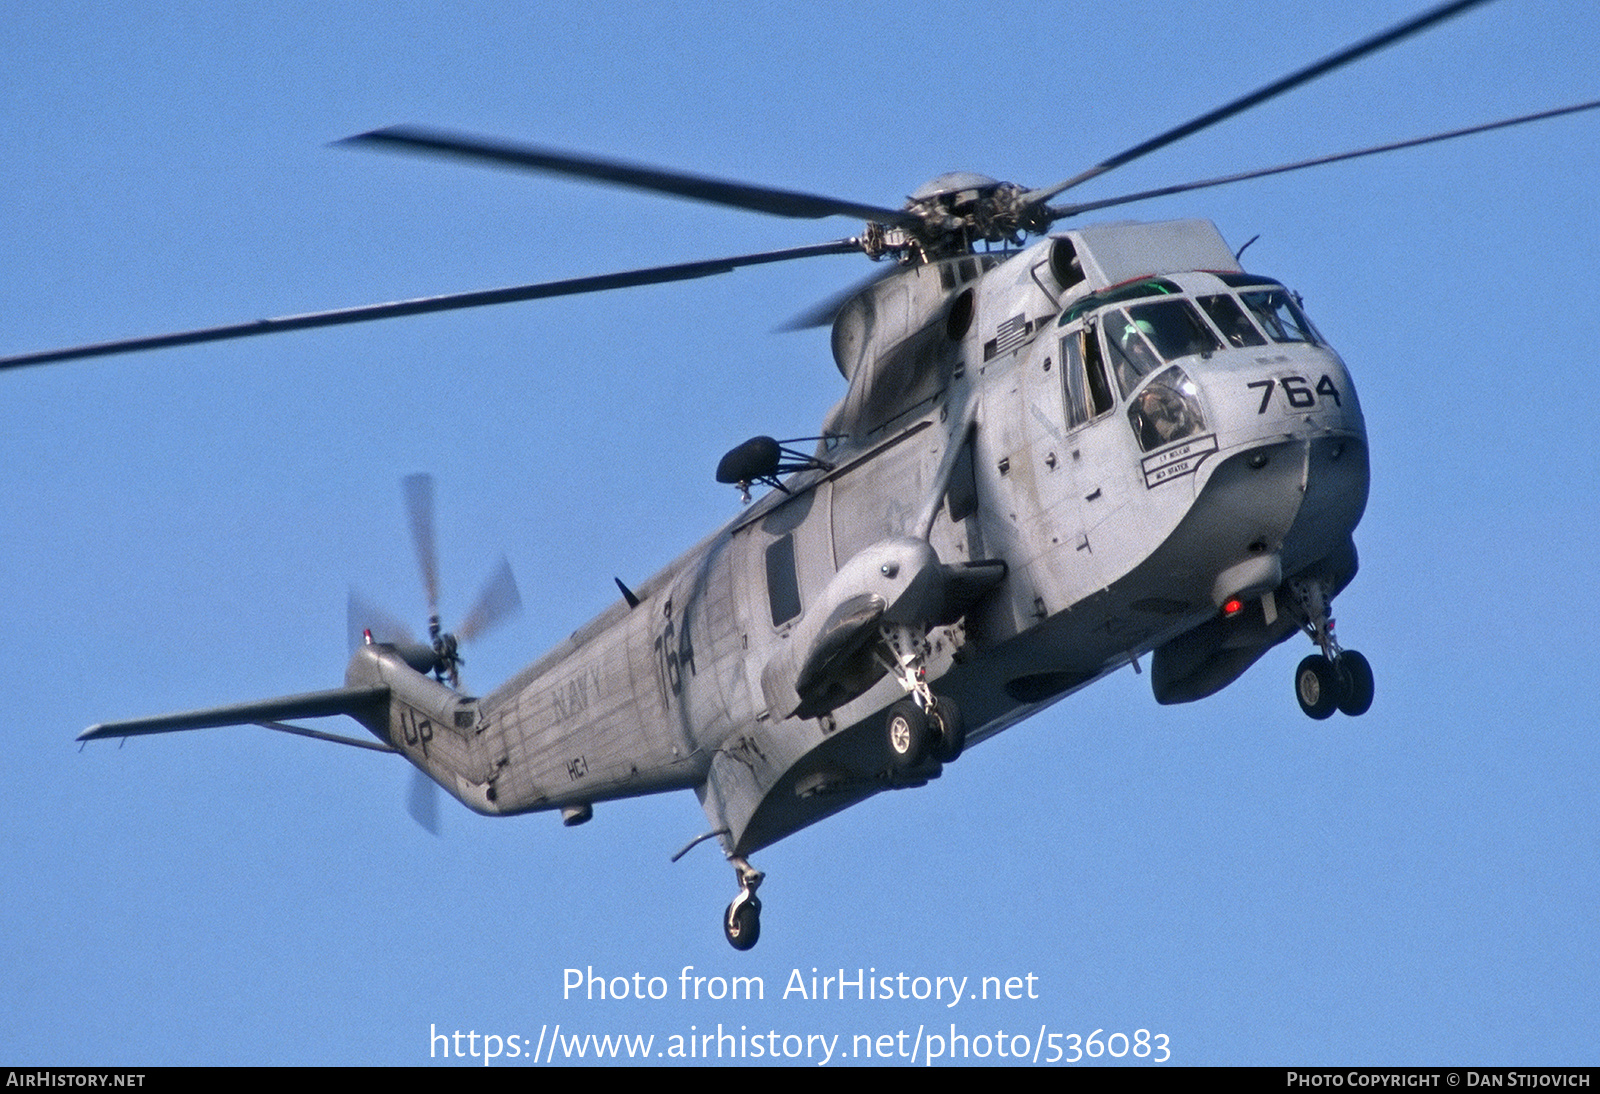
1274	307
1278	315
1149	328
1231	321
1144	336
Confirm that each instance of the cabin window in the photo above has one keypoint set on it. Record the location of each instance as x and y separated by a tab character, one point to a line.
1155	286
783	586
1174	329
1274	307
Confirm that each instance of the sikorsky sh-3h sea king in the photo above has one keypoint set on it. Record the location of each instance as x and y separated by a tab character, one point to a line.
1052	459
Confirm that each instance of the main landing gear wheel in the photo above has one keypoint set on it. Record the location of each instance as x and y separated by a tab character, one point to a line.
1345	684
1355	679
1316	685
950	731
1335	679
908	734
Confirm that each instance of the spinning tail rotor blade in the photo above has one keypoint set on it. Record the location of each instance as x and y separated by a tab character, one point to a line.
419	512
422	801
498	601
364	616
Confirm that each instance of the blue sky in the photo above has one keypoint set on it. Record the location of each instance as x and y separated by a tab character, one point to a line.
1417	886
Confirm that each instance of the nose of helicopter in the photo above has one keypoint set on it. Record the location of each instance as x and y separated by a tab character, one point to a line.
1289	476
1261	395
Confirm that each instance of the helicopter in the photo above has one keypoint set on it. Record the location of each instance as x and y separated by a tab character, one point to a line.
1020	560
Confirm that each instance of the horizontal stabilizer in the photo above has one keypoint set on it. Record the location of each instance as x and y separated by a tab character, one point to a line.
367	705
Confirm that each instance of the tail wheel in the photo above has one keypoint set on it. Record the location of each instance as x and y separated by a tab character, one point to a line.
1317	686
741	923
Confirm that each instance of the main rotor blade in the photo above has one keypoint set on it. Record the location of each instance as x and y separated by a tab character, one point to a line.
823	312
498	601
419	513
655	275
1328	64
1057	212
740	195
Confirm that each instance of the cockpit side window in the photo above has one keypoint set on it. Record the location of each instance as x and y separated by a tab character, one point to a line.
1077	392
1083	373
1100	398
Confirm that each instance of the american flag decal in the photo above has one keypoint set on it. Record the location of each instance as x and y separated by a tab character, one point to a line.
1008	336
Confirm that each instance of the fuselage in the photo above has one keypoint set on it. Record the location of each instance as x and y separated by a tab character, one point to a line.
1148	443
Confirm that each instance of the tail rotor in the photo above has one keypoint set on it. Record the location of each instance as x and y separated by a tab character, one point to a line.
497	601
440	655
